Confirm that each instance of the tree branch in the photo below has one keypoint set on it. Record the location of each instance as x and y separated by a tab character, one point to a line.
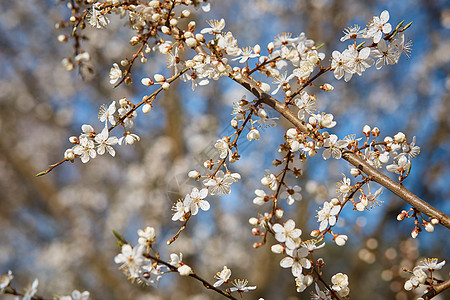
351	157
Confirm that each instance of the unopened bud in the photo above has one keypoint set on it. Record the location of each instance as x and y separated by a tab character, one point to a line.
366	130
165	29
185	13
315	233
255	231
185	270
156	17
400	137
434	221
253	221
265	87
173	22
159	78
194	174
62	38
414	233
327	87
341	239
146	108
335	201
279	213
277	248
166	85
69	155
257	49
74	140
429	227
401	216
270	47
355	172
191	42
376	131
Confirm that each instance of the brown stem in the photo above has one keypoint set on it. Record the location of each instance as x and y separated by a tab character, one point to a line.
351	157
437	289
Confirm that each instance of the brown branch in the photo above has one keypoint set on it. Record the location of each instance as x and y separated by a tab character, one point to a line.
351	157
437	289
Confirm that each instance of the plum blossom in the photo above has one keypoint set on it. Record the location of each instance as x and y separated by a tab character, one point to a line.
378	26
30	290
85	149
292	194
431	264
303	281
333	147
106	142
260	198
195	199
115	74
216	27
240	285
287	234
97	18
5	280
327	215
270	180
222	276
147	236
353	33
400	167
223	147
220	183
296	261
130	259
107	114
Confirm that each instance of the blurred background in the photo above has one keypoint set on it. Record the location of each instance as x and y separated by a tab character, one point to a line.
58	227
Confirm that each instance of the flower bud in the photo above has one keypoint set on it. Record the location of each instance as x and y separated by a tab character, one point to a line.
341	239
279	213
166	85
335	201
375	131
185	13
257	49
253	221
414	233
159	78
277	248
355	172
255	231
327	87
124	62
401	216
434	221
429	227
270	47
156	17
74	140
191	42
265	87
146	108
165	29
315	233
185	270
360	207
194	174
154	3
146	81
69	155
62	38
400	137
366	130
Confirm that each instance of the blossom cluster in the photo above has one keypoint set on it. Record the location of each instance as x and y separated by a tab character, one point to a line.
386	48
423	274
30	291
90	143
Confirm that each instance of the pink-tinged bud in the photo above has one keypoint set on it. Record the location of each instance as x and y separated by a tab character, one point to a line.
315	233
327	87
434	221
277	248
147	81
376	131
415	233
257	245
74	140
366	130
255	231
401	216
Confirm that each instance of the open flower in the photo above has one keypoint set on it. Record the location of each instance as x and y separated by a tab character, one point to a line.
130	259
222	276
296	260
287	233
